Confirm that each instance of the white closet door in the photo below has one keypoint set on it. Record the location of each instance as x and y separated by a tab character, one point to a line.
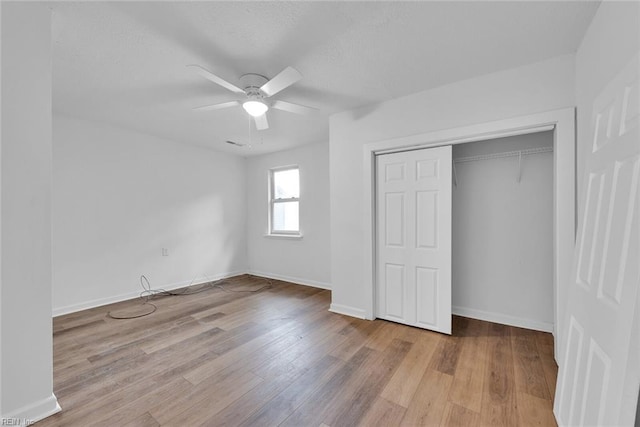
597	382
413	241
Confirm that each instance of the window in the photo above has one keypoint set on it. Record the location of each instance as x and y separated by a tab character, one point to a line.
285	201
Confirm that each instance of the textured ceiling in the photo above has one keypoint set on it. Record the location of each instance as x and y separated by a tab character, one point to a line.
124	63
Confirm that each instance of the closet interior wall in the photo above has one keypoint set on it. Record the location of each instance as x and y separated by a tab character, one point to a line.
502	231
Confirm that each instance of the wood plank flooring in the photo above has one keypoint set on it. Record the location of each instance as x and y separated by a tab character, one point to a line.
279	357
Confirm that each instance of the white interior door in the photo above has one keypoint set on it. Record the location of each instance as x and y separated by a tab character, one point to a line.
413	238
597	382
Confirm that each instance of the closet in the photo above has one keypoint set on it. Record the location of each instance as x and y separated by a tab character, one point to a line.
466	229
502	230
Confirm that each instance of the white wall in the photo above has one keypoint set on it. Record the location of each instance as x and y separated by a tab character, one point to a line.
304	261
611	41
119	197
26	362
538	87
502	233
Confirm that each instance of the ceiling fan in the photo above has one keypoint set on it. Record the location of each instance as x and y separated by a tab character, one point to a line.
256	89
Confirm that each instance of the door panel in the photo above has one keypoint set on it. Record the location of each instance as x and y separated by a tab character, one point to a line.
394	277
596	377
427	290
426	219
394	222
413	249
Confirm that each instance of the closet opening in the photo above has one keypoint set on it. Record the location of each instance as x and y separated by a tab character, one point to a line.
502	231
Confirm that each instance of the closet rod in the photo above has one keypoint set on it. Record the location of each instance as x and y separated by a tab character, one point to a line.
505	154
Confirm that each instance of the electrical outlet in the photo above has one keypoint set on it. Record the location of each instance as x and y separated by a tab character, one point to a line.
165	252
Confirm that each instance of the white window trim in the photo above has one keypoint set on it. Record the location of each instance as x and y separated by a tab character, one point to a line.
296	236
282	234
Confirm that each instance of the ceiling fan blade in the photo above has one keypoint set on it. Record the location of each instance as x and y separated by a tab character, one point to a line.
284	79
217	106
217	80
293	108
261	122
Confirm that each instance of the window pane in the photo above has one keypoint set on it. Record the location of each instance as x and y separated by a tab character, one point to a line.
285	216
286	184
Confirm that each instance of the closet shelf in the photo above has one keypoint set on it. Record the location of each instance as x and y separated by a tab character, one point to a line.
504	154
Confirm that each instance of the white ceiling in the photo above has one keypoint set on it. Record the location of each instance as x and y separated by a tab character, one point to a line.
124	63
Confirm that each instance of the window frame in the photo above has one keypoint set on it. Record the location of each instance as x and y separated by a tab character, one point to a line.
273	202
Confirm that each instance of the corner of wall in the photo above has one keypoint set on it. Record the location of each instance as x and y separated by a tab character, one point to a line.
26	365
34	412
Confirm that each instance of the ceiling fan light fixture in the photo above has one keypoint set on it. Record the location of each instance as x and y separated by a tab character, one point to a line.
255	108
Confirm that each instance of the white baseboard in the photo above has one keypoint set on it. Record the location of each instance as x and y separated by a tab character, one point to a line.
505	319
59	311
296	280
34	412
347	310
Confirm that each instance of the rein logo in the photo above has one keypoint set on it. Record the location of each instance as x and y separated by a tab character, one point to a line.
16	422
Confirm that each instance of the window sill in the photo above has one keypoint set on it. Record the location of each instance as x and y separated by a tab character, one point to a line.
284	236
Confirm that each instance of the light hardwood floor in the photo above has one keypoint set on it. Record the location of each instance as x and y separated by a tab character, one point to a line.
279	357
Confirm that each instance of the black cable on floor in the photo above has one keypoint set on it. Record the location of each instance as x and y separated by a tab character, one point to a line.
148	293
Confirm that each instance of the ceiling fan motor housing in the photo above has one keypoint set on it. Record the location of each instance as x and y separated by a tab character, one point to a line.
251	83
